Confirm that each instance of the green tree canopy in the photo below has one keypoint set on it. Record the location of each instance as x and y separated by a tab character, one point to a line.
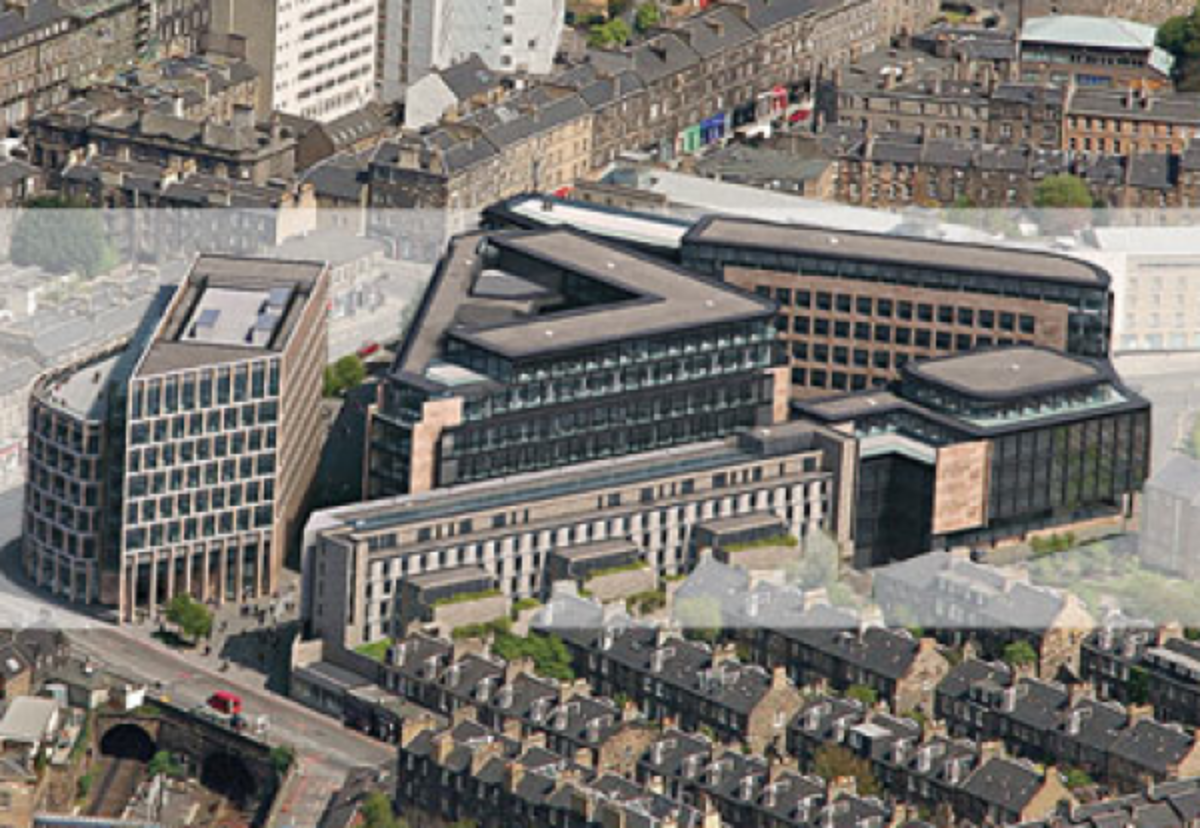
862	693
377	812
613	33
164	763
62	236
193	619
647	17
833	761
345	374
1063	191
1180	37
1020	654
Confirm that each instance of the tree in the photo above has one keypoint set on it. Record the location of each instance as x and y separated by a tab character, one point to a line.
1063	191
193	619
700	618
1078	778
1020	654
1064	203
164	763
377	812
345	374
647	17
1180	37
282	759
835	761
863	694
62	236
613	33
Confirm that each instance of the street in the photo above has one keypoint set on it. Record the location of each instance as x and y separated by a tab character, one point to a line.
325	749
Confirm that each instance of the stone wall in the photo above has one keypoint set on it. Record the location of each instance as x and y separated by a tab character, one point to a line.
449	617
620	585
1153	12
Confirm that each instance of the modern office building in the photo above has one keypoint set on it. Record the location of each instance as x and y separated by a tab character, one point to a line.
535	350
985	447
181	462
418	36
357	558
856	307
316	59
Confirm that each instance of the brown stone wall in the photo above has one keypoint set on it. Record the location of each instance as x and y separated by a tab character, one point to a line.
449	617
961	487
1153	12
618	585
1050	327
436	416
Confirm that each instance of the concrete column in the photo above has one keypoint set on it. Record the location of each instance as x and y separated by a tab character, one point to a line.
152	601
130	597
239	568
222	574
171	573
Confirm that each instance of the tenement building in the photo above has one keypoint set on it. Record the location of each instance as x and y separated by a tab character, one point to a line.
854	308
540	349
356	558
180	464
983	447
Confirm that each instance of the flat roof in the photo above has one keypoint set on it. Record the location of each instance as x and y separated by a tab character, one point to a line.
621	225
895	250
597	549
83	392
664	298
1008	373
230	309
537	486
451	577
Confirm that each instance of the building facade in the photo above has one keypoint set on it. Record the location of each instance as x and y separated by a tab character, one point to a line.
355	558
190	451
316	58
855	308
989	446
540	349
420	36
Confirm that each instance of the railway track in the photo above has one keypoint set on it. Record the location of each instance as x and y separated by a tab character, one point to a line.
116	787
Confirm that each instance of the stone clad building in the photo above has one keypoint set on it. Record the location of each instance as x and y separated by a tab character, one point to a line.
357	557
181	462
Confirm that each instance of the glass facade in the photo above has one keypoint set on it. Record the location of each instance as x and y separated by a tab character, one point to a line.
626	396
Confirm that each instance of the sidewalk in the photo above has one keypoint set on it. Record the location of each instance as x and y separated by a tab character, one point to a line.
251	647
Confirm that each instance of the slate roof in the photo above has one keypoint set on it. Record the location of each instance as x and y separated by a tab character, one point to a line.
1154	746
1004	783
469	78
